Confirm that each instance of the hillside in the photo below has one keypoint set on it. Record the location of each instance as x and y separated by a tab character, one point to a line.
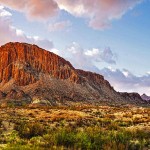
29	74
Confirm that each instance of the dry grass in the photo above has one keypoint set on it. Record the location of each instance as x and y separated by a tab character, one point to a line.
133	116
103	118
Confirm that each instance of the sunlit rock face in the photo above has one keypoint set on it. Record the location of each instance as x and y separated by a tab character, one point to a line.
25	63
27	71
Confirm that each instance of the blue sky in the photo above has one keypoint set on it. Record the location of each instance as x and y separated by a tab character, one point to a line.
111	37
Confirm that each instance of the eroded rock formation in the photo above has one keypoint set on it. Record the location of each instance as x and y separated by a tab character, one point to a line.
27	71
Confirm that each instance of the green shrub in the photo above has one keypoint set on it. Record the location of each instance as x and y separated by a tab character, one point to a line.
29	130
66	137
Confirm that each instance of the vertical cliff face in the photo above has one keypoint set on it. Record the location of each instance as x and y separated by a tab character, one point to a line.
94	78
35	72
24	63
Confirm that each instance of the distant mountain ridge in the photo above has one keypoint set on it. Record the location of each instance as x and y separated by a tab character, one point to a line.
145	97
33	75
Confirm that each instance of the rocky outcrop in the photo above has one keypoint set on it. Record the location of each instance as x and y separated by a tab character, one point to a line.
25	63
93	77
131	95
2	95
28	72
15	94
145	97
14	97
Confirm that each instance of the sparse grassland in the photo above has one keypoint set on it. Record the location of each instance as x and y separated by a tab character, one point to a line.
76	127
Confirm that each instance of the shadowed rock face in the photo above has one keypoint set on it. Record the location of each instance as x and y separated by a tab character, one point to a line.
13	94
40	73
93	78
145	97
2	95
17	97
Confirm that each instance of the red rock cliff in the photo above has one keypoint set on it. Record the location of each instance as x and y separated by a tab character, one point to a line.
24	62
93	77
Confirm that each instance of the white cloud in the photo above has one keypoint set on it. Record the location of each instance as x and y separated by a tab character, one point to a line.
19	32
100	13
125	81
59	26
105	55
4	13
9	33
92	52
33	9
86	58
122	80
56	51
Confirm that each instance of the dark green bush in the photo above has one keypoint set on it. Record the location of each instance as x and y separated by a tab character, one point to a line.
84	138
66	137
29	129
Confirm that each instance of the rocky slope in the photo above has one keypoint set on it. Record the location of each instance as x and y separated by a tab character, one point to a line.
33	75
145	97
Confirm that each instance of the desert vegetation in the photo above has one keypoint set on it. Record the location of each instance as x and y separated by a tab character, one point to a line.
83	127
